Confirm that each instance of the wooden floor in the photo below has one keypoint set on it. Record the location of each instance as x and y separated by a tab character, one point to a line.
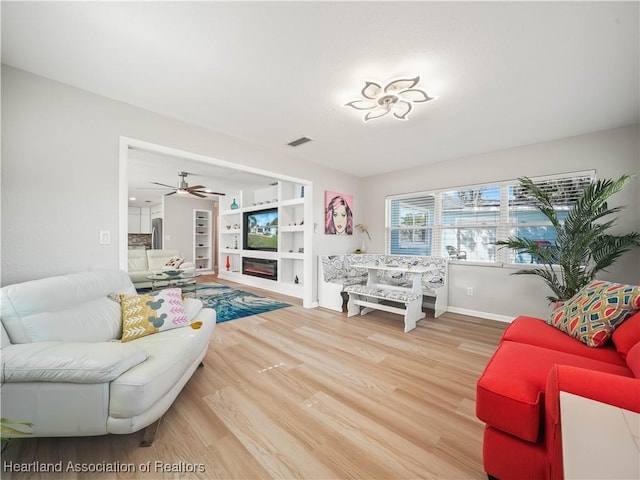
309	394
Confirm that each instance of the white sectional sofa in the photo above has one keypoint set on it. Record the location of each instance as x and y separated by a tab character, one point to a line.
142	263
64	369
336	272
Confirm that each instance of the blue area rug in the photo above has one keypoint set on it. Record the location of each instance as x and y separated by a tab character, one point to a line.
230	303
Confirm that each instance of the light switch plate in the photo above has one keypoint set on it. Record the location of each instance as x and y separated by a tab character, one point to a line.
105	237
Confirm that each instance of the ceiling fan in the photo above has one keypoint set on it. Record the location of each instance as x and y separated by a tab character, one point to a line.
183	187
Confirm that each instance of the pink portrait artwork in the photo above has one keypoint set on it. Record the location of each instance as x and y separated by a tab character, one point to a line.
338	218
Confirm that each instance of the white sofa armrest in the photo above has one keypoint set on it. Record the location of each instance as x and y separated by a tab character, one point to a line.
69	362
192	307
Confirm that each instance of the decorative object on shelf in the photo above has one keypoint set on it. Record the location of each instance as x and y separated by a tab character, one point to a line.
235	242
338	219
228	263
583	244
296	280
301	250
302	191
397	96
234	205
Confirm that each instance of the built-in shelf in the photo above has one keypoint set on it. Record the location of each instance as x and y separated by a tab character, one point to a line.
294	238
202	240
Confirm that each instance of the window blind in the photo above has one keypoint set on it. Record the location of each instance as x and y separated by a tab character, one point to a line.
465	222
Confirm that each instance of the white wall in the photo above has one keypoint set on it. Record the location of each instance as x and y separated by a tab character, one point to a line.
611	153
60	186
177	226
60	154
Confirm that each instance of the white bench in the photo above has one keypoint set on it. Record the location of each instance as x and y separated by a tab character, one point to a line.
339	271
368	297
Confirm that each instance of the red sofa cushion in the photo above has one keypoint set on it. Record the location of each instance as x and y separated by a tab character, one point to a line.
535	331
510	391
627	335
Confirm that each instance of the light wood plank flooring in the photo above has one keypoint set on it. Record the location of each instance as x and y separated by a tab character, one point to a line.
310	394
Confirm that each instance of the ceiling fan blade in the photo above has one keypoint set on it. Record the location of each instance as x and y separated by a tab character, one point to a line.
206	192
195	187
172	193
163	184
197	194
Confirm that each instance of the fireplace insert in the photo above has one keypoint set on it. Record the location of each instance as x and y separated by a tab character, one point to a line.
260	267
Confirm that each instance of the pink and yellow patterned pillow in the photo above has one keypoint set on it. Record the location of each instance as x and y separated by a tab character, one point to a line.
143	315
593	313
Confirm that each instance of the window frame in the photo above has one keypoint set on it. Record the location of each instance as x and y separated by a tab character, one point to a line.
504	221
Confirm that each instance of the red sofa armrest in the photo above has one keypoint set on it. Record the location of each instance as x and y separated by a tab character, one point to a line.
623	392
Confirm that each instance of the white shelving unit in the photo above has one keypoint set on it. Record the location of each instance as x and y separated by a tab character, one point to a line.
294	238
202	240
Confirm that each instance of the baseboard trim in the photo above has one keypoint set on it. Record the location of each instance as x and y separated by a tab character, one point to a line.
475	313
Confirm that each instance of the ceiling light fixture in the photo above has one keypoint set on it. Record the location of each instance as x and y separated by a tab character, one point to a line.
397	97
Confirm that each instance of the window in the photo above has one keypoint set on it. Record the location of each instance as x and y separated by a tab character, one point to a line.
526	221
411	219
464	223
470	219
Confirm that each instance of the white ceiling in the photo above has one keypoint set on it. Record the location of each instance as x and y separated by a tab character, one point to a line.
505	73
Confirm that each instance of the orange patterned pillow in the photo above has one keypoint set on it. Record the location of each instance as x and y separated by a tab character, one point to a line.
593	313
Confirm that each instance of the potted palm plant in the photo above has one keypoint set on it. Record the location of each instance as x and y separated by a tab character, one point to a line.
583	244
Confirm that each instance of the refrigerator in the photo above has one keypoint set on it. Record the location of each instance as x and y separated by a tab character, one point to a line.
156	234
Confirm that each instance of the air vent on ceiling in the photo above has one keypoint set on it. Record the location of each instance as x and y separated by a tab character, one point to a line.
299	141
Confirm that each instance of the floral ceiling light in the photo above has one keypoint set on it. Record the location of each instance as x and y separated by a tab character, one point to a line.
397	97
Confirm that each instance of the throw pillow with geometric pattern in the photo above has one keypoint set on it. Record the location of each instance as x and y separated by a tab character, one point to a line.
146	314
593	313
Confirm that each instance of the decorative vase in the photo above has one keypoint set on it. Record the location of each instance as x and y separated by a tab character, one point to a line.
228	263
234	205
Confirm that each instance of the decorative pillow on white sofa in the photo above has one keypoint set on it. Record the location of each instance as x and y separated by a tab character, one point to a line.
146	314
174	262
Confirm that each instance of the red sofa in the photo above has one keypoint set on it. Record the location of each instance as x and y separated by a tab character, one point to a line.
518	392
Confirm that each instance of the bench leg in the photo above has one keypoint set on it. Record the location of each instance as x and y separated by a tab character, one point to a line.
345	301
413	314
352	308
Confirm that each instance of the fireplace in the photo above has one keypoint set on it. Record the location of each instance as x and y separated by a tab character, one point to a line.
260	267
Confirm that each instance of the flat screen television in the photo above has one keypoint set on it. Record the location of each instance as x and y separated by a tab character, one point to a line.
261	230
